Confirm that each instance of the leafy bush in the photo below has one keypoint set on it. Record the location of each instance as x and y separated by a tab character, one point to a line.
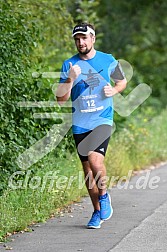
18	36
25	38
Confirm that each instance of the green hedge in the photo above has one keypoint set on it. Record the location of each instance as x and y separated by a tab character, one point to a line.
18	37
32	39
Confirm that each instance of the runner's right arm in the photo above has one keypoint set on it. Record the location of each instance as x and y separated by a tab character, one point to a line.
64	88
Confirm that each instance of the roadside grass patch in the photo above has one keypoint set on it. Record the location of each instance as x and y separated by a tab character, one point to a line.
43	192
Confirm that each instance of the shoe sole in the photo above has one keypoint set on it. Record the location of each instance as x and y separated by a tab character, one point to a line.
95	227
111	211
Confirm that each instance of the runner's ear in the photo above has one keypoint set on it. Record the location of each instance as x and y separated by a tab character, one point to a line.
93	37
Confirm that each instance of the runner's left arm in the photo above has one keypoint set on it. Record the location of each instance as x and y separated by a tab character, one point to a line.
120	81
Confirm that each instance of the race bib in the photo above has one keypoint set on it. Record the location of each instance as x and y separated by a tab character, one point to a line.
90	103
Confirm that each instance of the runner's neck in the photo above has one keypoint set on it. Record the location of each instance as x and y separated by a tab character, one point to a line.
88	56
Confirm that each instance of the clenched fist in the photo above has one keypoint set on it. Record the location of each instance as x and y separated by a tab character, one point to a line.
74	72
109	90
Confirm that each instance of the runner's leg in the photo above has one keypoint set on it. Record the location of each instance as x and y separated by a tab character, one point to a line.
96	162
91	185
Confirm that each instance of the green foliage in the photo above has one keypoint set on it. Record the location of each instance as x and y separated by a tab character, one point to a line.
18	35
33	38
141	143
136	31
36	37
86	11
150	45
56	24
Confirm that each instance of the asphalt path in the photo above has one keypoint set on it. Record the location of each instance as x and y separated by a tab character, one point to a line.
139	222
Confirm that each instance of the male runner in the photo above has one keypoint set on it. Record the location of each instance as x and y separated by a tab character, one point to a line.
85	78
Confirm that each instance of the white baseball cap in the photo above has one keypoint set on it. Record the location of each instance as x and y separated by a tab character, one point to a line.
84	29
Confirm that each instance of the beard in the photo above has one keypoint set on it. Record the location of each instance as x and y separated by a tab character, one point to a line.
86	51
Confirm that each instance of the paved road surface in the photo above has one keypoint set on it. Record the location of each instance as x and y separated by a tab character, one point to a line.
139	222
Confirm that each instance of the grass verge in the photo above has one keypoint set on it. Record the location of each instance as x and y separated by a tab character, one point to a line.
140	144
35	196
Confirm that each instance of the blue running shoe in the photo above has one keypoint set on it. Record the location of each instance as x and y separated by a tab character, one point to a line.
106	209
95	221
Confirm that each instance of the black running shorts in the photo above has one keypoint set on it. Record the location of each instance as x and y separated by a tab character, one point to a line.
95	140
